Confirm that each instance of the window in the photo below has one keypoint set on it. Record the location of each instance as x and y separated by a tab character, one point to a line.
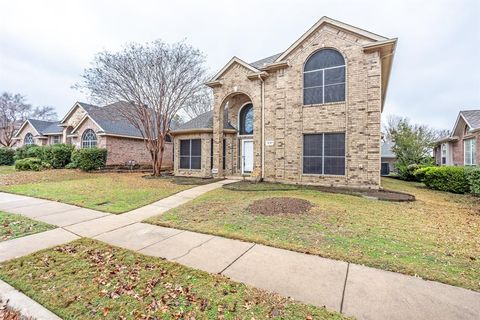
223	154
56	139
89	139
190	154
444	153
324	78
324	153
470	152
246	119
28	140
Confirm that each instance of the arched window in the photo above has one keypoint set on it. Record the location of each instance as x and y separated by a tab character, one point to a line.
324	78
28	140
246	119
89	139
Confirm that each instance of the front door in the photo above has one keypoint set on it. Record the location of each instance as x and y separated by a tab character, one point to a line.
247	156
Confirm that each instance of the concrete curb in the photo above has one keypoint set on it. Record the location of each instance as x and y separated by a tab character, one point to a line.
26	306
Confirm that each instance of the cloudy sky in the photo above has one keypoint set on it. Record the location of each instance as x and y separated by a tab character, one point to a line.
45	45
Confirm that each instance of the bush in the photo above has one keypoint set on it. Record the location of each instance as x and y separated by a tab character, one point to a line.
89	159
57	155
31	164
407	172
420	173
21	153
473	177
6	156
451	179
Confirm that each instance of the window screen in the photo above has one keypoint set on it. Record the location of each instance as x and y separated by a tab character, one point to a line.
324	153
191	154
324	78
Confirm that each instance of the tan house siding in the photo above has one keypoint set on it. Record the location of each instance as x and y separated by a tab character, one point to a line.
204	170
28	128
121	150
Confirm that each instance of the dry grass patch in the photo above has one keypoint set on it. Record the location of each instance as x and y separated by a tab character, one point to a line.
87	279
435	237
15	226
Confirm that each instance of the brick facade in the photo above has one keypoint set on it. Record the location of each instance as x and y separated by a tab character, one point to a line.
286	119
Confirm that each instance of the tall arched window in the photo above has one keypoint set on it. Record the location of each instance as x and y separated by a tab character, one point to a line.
324	78
246	119
89	139
28	140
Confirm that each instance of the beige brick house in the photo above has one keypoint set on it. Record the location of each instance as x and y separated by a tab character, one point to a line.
308	115
87	126
460	147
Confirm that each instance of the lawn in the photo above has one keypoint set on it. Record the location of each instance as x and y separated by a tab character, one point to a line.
435	237
15	226
87	279
6	169
109	192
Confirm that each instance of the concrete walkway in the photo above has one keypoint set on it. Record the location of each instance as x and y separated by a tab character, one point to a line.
355	290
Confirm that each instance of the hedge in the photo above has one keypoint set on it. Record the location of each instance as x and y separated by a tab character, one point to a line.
88	159
6	156
451	179
57	155
31	164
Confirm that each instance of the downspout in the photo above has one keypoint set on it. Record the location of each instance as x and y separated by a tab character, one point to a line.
263	126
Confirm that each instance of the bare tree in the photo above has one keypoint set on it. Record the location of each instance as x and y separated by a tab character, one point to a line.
45	113
13	111
156	79
200	103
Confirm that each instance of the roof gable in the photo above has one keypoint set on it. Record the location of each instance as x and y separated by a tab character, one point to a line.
471	118
41	127
230	63
85	106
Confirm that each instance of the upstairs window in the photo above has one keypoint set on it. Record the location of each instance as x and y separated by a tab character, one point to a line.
89	139
191	154
28	140
324	78
246	119
470	152
324	153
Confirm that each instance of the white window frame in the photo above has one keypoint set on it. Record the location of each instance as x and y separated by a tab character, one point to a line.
444	147
469	158
55	139
30	141
91	143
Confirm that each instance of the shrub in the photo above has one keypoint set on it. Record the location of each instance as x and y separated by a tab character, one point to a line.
57	155
451	179
6	156
89	159
473	177
420	173
408	172
30	164
21	153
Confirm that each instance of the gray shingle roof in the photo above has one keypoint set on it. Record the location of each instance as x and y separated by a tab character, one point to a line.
472	117
44	127
263	62
386	149
204	121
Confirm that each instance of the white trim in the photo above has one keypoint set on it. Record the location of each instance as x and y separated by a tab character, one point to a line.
83	120
335	23
21	128
456	123
232	61
242	162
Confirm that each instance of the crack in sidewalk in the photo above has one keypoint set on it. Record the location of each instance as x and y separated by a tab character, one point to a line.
344	287
191	249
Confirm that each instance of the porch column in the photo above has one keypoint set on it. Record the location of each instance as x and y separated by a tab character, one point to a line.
217	136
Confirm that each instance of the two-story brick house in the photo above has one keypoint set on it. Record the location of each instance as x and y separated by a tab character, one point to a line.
87	126
308	115
460	147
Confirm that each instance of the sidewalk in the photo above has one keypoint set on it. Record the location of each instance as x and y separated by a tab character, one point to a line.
355	290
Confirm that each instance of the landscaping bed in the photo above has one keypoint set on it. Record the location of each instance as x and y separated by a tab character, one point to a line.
87	279
435	237
382	194
15	226
108	192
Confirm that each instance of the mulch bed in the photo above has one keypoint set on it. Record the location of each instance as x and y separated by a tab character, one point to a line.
280	205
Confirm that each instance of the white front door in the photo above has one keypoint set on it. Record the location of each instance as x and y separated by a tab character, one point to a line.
247	156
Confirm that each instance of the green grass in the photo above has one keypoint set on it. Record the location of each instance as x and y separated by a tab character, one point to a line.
109	192
87	279
15	226
7	169
435	237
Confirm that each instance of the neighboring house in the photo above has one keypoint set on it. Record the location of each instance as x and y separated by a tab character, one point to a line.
88	126
388	158
460	147
308	115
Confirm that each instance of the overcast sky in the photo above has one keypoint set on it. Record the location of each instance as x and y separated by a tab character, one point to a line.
45	45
